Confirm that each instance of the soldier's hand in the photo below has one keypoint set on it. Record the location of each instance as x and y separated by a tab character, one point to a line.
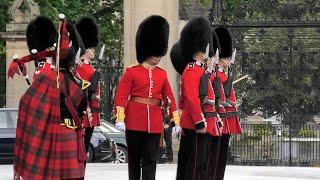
16	176
120	126
166	126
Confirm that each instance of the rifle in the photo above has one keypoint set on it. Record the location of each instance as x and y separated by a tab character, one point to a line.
240	79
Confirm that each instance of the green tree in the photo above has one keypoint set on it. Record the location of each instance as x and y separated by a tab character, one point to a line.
281	61
108	13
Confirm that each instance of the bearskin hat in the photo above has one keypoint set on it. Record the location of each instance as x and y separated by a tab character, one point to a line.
152	37
225	40
215	44
88	30
75	38
177	59
195	37
41	34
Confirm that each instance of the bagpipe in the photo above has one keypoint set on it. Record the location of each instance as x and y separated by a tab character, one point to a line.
60	52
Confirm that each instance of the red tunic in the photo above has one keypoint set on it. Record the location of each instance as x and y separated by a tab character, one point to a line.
190	101
138	81
231	124
86	72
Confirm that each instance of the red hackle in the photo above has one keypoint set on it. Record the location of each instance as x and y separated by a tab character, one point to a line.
13	69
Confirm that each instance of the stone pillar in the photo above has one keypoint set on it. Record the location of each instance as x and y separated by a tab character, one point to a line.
16	45
137	10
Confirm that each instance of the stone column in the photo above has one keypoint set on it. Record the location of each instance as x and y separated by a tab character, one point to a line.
16	45
137	10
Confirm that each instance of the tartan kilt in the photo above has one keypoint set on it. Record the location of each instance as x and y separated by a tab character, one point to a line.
44	149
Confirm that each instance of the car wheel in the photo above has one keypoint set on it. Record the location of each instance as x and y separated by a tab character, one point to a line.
90	154
121	155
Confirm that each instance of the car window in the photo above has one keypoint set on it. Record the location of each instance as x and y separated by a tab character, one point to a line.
109	128
14	117
4	122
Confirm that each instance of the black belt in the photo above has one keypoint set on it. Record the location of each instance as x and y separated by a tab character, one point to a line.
95	109
235	113
210	114
222	115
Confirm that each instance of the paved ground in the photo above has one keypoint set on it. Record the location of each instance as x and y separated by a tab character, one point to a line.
98	171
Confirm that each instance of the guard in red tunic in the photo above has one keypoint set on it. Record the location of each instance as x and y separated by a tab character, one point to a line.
214	141
198	118
89	33
139	95
49	136
231	122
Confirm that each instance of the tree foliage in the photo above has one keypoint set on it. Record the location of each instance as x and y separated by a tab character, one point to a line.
108	13
282	62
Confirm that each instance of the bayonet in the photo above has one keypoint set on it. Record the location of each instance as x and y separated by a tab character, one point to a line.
77	58
233	56
101	53
216	57
207	51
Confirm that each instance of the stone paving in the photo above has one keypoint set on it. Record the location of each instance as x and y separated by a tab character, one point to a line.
99	171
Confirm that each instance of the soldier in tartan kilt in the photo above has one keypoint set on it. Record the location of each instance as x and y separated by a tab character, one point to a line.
49	137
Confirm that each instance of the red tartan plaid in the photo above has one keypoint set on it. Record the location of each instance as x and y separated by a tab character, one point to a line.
43	148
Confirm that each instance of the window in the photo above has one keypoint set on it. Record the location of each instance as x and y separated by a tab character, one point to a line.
14	117
4	122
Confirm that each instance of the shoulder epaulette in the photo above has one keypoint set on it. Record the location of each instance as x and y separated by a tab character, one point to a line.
133	65
160	68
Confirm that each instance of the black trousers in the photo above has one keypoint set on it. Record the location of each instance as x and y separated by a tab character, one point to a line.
223	156
212	157
143	149
192	156
167	134
87	137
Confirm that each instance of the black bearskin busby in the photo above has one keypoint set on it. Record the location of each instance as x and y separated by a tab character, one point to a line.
215	44
75	37
77	43
195	37
177	59
152	37
88	30
41	34
225	40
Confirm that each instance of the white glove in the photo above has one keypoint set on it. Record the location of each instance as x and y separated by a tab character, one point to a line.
120	126
211	64
176	129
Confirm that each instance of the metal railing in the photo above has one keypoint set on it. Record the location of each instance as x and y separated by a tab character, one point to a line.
262	144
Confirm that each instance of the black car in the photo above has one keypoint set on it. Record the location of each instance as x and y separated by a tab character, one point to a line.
119	138
7	134
101	147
